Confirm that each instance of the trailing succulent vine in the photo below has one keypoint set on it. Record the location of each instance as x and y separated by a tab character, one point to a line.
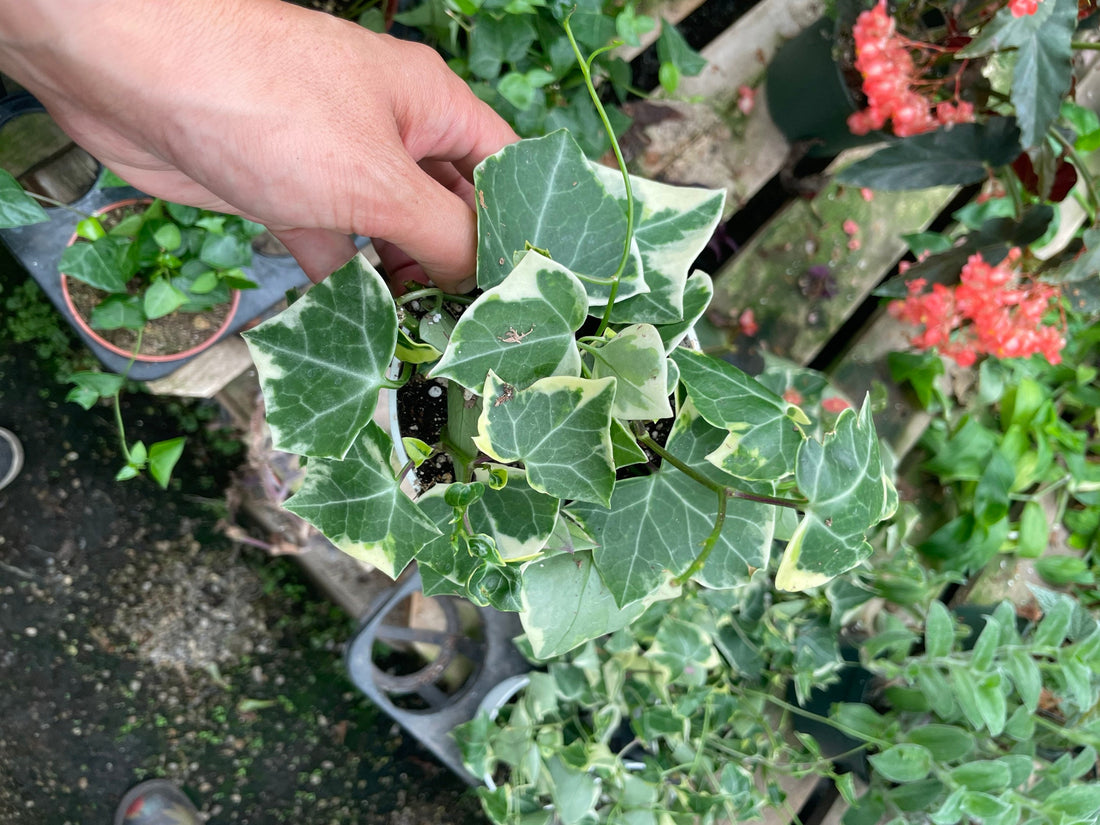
569	350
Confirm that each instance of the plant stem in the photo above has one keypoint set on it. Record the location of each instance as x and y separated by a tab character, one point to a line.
1079	164
48	201
431	292
695	475
586	72
402	378
708	545
117	398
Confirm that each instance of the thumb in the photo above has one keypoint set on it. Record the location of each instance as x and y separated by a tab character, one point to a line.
434	226
319	252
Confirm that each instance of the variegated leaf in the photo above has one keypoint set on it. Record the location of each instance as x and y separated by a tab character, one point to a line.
673	225
636	359
522	329
849	493
574	218
656	526
764	433
323	360
559	428
566	603
359	506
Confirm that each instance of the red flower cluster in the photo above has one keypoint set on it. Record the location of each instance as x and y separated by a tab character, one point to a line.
990	312
1023	8
885	60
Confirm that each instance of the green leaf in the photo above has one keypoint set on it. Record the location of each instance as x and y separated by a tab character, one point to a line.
990	699
204	283
1026	676
494	41
519	518
161	298
554	588
939	631
226	251
1042	71
636	359
92	386
683	651
673	48
1033	531
522	329
119	311
359	505
578	222
946	743
168	237
957	156
99	263
670	235
986	776
322	361
847	492
17	208
576	463
517	89
991	495
902	763
983	806
657	524
183	215
163	456
982	654
90	229
763	438
1054	625
1077	803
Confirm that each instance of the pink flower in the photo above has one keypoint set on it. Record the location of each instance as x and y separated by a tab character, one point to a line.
746	99
992	311
1023	8
748	324
890	79
834	404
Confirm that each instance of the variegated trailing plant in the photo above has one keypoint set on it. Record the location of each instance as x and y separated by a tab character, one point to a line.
566	507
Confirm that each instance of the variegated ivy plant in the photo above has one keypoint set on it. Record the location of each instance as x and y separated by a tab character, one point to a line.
566	507
571	350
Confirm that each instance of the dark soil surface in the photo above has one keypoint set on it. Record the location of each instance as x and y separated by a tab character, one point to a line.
137	641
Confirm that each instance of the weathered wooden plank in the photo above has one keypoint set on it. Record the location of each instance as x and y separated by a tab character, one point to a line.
809	267
207	373
702	137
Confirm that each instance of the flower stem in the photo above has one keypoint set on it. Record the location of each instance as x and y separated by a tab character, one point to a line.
586	72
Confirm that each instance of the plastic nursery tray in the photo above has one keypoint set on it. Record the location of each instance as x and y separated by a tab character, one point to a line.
39	247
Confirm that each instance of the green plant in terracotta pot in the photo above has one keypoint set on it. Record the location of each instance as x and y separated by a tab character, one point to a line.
594	465
148	280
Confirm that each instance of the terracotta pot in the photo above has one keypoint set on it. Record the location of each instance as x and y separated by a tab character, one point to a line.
86	327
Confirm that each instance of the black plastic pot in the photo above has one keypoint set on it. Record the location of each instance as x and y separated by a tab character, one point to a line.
808	96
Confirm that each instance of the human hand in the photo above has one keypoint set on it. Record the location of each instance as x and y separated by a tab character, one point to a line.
311	125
